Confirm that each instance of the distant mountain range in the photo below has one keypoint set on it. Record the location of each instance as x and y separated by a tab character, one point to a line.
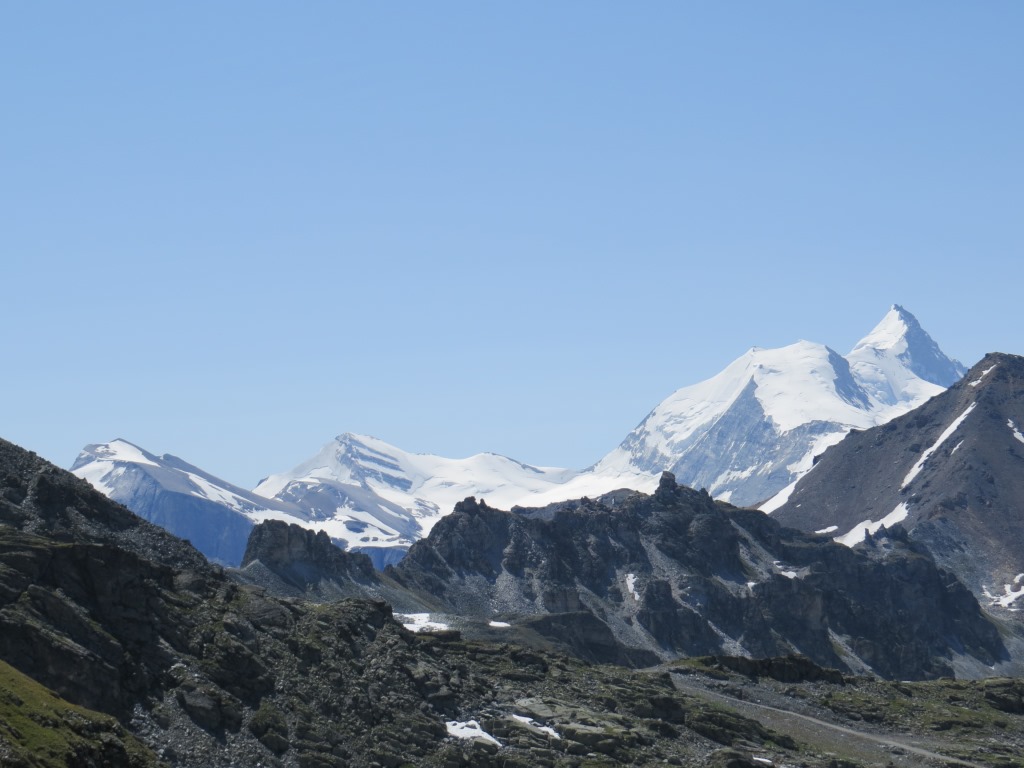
746	435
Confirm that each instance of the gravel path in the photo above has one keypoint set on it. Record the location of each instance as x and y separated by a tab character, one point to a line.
828	737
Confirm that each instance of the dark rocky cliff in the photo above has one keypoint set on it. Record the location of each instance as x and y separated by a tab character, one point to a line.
304	557
634	578
288	560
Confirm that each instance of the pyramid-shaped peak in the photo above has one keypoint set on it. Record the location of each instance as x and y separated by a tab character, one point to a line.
900	336
893	330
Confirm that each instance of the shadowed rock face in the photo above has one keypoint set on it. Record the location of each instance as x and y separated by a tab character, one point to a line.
965	498
304	557
677	573
288	560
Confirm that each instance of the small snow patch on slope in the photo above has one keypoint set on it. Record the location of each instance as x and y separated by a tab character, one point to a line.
542	728
470	729
977	381
942	438
420	622
631	585
856	534
801	468
1009	596
779	499
1016	432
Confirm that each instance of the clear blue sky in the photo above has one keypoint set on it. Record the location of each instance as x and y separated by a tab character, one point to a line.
233	230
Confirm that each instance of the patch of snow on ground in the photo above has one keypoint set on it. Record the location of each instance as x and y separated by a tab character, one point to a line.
1009	596
470	729
977	381
500	624
830	529
801	468
542	728
942	438
789	574
763	760
856	534
631	585
1016	432
779	499
420	622
956	447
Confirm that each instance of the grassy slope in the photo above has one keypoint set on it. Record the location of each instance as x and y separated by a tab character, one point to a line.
39	729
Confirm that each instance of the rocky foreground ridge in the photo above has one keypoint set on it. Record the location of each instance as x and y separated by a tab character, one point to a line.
121	646
161	663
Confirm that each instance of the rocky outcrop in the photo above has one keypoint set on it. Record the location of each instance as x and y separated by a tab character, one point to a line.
288	560
303	557
785	669
676	574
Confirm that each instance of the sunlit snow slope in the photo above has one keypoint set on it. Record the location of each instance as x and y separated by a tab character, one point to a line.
215	515
748	433
403	493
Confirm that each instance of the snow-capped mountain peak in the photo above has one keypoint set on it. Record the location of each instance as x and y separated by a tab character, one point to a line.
897	361
182	498
380	495
751	430
892	331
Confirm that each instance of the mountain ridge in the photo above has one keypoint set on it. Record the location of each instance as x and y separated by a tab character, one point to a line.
746	434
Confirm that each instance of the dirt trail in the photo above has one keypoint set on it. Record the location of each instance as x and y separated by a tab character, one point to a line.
826	736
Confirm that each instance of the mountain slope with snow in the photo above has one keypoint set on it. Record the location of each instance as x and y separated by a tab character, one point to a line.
364	483
746	435
751	431
213	514
951	473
